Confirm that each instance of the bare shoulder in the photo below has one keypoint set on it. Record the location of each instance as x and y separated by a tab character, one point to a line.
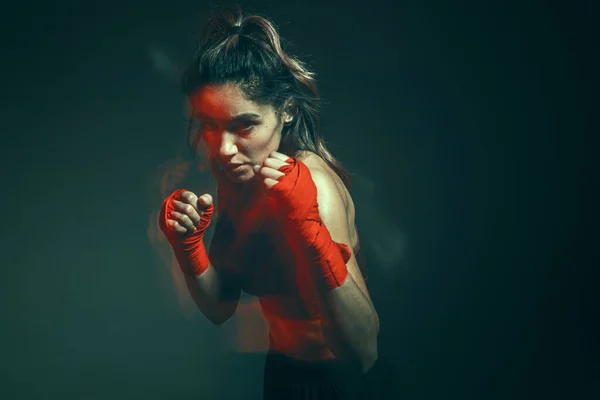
322	173
327	180
312	160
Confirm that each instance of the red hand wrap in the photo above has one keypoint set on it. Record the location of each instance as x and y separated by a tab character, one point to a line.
189	250
310	236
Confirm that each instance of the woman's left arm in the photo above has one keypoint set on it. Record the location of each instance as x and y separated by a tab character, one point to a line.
351	322
309	198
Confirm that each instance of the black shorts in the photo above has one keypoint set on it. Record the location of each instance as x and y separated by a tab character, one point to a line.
287	378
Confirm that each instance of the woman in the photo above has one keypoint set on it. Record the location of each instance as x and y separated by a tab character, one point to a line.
285	228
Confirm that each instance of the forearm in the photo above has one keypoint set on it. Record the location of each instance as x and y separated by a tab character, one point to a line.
204	290
310	203
350	322
207	291
214	295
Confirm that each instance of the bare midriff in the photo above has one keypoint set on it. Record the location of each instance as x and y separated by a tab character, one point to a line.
301	339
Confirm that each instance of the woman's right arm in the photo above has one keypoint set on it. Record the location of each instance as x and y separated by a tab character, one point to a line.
184	219
216	295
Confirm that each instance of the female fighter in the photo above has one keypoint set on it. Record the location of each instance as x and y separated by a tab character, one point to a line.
285	219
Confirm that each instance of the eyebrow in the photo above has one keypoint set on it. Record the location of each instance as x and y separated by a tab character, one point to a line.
246	116
240	117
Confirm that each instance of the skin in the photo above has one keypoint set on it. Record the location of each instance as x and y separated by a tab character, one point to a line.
242	138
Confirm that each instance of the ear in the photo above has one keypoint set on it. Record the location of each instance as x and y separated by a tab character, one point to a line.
289	112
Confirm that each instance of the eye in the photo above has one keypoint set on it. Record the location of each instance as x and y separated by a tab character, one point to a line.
242	126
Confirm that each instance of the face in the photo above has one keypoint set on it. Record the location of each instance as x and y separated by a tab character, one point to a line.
238	132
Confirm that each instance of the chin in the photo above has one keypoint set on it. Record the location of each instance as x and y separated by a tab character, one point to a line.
245	176
239	179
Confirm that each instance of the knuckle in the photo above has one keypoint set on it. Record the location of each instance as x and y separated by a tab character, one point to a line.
189	197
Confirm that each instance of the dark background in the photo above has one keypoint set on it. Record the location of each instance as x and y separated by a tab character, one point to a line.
468	119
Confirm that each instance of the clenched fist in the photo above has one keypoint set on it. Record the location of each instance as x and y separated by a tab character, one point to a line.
188	210
270	168
183	219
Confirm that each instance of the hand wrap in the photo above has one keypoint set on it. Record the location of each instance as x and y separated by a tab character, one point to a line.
296	203
189	250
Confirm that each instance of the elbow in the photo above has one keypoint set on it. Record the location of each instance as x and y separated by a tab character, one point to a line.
375	324
216	312
218	318
369	356
219	314
362	353
364	356
368	352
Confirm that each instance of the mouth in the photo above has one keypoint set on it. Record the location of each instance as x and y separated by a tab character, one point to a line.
233	167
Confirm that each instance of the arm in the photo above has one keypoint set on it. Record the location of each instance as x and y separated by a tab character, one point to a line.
351	324
216	295
215	292
184	219
308	198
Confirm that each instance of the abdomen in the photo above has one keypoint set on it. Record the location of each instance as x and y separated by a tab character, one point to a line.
294	335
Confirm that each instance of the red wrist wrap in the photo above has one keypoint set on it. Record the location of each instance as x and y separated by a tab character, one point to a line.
310	237
189	250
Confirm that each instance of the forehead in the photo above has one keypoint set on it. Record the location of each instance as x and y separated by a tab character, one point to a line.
223	102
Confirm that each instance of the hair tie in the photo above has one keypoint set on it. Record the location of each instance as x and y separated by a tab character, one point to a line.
236	30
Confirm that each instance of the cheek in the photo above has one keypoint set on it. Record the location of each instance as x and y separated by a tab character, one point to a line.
258	141
268	137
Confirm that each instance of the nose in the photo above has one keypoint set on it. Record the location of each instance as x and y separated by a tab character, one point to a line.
227	145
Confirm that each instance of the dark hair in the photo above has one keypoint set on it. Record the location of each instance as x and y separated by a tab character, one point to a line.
247	51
